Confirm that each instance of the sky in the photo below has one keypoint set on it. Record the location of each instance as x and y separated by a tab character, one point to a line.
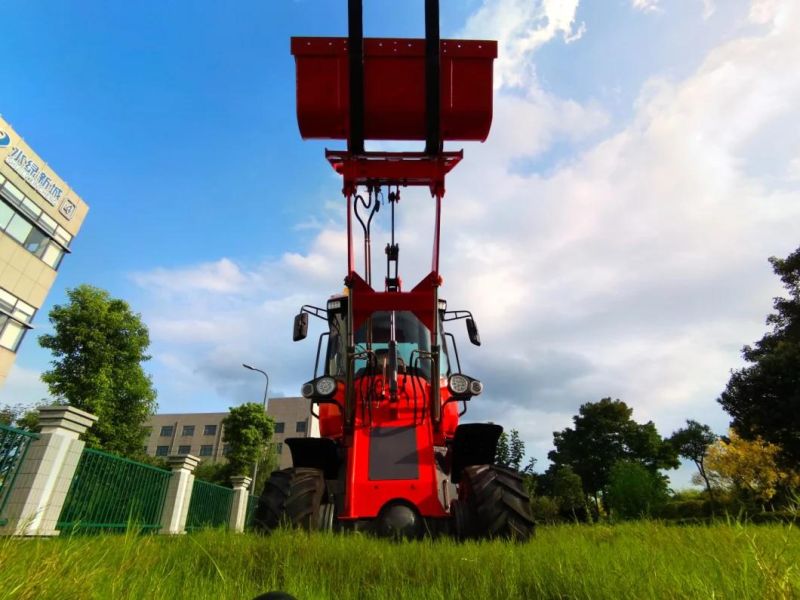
611	236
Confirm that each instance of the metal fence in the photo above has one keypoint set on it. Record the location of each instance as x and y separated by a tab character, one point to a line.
113	493
210	505
252	503
13	447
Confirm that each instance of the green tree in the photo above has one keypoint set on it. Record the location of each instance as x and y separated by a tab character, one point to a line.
568	493
763	398
692	442
502	455
248	430
605	434
634	491
516	451
99	346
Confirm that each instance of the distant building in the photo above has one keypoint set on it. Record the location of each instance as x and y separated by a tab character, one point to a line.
40	215
200	434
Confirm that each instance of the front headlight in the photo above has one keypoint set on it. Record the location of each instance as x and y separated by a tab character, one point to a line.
307	390
475	387
325	386
458	384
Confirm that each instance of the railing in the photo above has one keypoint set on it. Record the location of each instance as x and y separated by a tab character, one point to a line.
112	493
210	505
13	447
252	503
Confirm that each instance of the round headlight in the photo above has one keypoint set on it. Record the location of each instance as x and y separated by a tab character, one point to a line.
325	386
307	390
475	387
458	384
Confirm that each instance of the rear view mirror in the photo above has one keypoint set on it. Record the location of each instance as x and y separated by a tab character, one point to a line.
300	327
472	331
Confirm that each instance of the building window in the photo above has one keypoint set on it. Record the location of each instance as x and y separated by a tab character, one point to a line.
184	449
206	450
279	448
279	427
226	449
162	450
188	431
25	222
167	430
11	333
301	427
210	430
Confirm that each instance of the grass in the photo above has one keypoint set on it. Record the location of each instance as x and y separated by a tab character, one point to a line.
634	560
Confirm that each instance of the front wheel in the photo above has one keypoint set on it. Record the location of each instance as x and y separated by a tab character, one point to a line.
494	504
291	497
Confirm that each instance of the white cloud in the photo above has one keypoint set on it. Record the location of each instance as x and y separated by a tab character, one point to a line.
646	5
522	26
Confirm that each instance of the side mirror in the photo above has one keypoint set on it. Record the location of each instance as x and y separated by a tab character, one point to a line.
472	331
300	327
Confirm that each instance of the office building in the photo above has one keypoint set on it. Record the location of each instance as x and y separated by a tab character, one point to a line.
201	434
40	215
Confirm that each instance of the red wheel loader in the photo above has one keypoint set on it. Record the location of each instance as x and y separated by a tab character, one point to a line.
388	388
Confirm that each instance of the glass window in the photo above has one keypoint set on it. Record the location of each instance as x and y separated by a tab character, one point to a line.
162	450
210	430
48	223
29	208
206	450
279	427
7	301
52	255
11	335
188	430
19	228
279	448
24	312
166	430
36	242
6	212
300	427
184	449
13	192
63	236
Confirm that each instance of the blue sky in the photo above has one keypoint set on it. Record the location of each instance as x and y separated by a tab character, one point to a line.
611	235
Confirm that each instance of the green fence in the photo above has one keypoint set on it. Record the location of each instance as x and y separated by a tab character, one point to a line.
112	493
13	447
252	502
210	506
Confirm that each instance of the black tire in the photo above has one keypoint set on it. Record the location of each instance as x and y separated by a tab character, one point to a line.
291	497
498	505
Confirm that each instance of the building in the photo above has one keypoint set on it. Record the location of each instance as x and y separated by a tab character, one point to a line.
40	215
200	434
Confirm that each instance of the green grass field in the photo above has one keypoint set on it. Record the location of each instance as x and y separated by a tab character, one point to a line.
637	560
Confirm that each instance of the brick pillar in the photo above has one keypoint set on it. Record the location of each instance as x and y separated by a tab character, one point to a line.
241	494
179	493
46	473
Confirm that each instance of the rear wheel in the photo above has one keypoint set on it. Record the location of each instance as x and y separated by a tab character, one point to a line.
496	503
291	497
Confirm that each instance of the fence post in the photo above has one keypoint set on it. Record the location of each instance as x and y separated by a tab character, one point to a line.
46	473
179	493
241	494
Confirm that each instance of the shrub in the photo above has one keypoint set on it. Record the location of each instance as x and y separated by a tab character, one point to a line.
634	492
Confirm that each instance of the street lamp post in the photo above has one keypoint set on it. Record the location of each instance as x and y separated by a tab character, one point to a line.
266	395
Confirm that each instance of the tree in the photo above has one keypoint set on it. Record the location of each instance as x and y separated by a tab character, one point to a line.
567	489
749	467
502	455
21	416
605	434
99	346
763	398
248	430
516	451
635	491
692	443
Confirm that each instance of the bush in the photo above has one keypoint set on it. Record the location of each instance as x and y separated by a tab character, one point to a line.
544	509
634	492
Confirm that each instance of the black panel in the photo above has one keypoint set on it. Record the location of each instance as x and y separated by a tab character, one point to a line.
315	453
393	453
474	444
